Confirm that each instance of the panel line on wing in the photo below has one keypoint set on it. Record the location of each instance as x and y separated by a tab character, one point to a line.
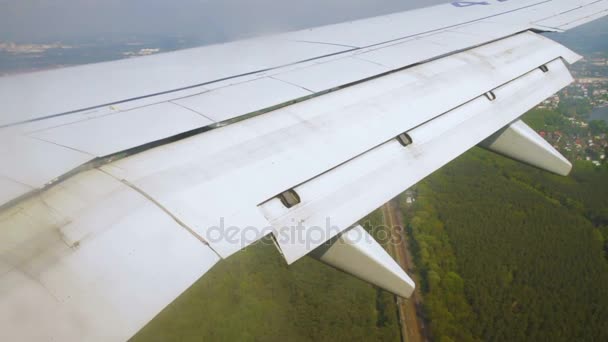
190	109
161	207
61	145
325	43
293	84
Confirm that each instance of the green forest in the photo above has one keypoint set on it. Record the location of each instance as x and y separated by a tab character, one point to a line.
507	252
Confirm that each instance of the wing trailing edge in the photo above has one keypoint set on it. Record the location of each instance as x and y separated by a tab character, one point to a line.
520	142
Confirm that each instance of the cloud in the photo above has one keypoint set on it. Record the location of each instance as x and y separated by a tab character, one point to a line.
210	20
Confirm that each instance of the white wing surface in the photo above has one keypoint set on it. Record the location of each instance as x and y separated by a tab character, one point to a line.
122	183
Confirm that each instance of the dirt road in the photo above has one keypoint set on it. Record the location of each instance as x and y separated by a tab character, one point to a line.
412	327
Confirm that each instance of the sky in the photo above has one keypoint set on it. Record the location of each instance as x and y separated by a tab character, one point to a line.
26	21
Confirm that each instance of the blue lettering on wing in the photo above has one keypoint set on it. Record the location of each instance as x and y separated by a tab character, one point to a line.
473	3
469	3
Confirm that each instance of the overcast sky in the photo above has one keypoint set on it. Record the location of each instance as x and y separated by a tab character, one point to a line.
211	20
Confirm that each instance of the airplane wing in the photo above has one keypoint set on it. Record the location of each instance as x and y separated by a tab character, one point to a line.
122	183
